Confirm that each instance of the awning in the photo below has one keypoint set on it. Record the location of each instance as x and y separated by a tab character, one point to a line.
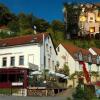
33	66
36	73
58	75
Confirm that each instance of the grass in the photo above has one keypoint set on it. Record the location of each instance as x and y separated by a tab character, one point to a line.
8	91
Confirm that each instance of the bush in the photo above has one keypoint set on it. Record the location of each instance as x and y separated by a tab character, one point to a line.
83	92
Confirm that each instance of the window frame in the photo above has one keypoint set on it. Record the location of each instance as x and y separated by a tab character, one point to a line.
4	65
21	63
12	63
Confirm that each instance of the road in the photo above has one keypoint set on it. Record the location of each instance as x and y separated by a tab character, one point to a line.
31	98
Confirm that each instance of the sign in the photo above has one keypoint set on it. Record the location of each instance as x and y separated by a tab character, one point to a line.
17	83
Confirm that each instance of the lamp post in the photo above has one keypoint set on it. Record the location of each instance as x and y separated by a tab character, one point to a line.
98	64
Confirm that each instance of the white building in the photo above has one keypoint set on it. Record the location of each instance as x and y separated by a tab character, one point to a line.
67	54
18	55
28	52
89	20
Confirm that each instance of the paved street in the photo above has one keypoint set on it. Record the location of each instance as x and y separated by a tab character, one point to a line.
31	98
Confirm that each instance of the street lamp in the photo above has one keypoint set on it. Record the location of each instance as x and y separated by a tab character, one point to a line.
98	63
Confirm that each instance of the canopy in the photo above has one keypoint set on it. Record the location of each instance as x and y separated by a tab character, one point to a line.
58	74
36	73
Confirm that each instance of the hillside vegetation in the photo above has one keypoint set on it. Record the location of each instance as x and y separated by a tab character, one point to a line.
23	24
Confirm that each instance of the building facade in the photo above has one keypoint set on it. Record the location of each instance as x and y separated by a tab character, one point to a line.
68	54
89	20
30	52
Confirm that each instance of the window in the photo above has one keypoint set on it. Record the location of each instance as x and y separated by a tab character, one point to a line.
48	39
92	29
21	60
49	63
50	50
58	49
47	47
12	61
4	61
53	66
91	18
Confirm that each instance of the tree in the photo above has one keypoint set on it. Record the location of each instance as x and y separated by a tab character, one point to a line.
5	15
65	70
73	12
23	22
41	25
57	25
14	26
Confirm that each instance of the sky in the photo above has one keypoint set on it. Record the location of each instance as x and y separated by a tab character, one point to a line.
46	9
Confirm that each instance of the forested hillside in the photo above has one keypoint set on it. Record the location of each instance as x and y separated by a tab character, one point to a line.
23	24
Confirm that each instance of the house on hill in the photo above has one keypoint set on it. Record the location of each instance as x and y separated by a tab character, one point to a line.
18	55
68	54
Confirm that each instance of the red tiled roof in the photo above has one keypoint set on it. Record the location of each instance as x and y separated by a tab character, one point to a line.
72	49
22	40
97	50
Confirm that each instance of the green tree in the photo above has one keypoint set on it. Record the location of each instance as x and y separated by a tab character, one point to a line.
73	12
41	25
23	22
57	25
65	70
14	26
5	15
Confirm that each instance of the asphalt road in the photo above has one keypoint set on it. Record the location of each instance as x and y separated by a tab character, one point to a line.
31	98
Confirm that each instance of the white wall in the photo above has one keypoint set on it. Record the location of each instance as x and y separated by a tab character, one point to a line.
48	55
69	60
32	52
73	65
17	51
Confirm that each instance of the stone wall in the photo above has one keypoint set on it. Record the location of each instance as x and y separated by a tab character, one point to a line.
40	92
